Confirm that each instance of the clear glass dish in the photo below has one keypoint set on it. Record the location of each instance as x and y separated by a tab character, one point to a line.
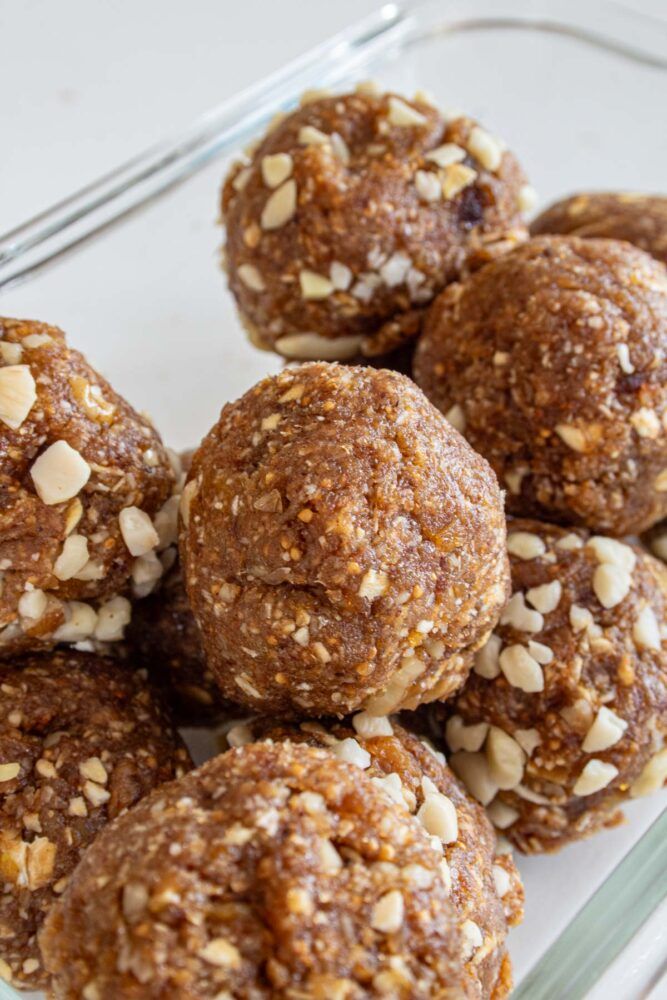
129	268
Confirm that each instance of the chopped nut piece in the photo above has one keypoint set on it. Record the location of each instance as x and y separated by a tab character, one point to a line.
485	148
276	169
222	953
525	545
455	178
280	207
315	286
506	758
59	473
137	530
18	394
403	115
611	584
605	732
521	669
595	776
73	557
251	277
387	915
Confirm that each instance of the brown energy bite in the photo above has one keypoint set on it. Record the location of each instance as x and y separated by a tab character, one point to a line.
353	212
551	361
82	479
564	716
638	218
343	546
164	637
485	889
270	872
81	740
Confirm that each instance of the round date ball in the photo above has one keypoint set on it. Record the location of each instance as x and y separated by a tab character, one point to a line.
270	872
552	363
353	212
638	218
82	477
81	740
565	714
342	547
484	888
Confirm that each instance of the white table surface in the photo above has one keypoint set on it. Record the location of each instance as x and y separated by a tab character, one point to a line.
84	86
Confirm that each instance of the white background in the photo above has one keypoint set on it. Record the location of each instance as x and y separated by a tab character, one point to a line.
86	84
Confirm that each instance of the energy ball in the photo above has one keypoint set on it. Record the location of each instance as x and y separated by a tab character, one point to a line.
82	478
270	872
164	637
565	714
638	218
353	212
81	740
485	889
343	546
552	363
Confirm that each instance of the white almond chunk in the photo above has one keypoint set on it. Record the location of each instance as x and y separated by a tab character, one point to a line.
276	168
472	939
437	814
527	199
646	630
32	604
623	354
456	417
340	276
595	776
402	115
190	491
368	725
221	953
605	732
505	757
373	584
18	394
166	522
546	597
35	340
455	178
520	617
543	654
501	880
645	422
280	206
251	277
387	914
94	770
394	270
73	557
573	437
92	570
528	740
428	185
96	795
462	737
10	353
314	286
9	771
351	752
446	875
242	178
501	815
311	136
370	88
521	669
611	584
485	148
486	659
79	624
609	550
653	776
525	545
59	473
448	153
340	148
570	543
473	770
112	619
137	530
580	618
313	347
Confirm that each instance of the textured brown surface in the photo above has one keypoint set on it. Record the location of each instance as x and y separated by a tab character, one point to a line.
639	219
90	741
555	359
129	467
343	545
164	637
599	661
256	877
469	856
359	214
